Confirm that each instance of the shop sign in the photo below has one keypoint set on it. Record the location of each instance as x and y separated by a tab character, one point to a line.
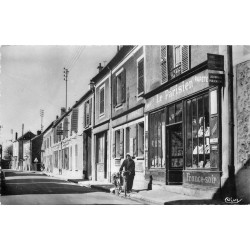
185	88
210	179
216	79
215	62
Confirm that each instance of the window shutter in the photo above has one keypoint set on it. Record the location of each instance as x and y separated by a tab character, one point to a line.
164	71
123	85
85	115
122	143
113	145
90	110
137	139
74	120
114	91
185	58
65	128
141	76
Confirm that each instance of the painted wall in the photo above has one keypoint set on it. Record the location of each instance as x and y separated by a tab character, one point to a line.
132	99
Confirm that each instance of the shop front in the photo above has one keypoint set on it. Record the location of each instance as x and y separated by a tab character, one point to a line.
183	143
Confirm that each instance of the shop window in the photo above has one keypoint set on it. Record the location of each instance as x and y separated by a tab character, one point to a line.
100	148
157	140
175	113
140	74
198	133
66	158
117	143
101	100
140	140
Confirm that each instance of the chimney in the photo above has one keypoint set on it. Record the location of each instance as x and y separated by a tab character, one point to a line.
16	136
38	132
91	84
100	67
63	111
57	117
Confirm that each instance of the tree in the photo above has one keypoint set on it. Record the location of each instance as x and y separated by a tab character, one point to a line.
8	152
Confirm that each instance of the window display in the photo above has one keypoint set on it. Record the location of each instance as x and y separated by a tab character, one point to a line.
198	133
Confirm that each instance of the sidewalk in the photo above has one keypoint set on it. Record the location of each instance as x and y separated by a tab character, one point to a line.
155	197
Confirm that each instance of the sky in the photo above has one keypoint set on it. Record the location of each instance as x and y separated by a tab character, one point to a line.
32	79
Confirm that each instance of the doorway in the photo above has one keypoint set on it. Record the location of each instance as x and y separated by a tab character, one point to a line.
87	154
101	156
174	154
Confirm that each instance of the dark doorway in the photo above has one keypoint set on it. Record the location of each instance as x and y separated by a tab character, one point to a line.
87	154
174	154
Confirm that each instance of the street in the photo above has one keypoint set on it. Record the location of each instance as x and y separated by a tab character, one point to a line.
36	188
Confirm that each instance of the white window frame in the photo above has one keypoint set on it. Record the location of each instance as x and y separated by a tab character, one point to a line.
137	75
175	64
118	73
101	114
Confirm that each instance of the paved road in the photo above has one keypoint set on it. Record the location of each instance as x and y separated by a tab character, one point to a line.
35	188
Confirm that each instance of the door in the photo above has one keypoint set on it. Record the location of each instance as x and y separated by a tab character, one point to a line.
174	154
101	156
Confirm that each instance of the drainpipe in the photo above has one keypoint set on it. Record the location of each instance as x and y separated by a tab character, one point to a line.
231	167
110	128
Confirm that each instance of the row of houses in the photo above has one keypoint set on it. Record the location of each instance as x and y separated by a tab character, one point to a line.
182	112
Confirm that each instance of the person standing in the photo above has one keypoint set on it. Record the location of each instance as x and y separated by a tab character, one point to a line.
129	165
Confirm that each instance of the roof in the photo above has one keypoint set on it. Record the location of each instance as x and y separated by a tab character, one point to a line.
27	136
113	62
55	123
50	126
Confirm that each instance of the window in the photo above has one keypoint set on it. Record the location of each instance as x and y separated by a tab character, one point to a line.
100	148
157	140
198	133
128	140
47	142
140	139
140	74
117	143
101	100
119	88
177	55
179	60
74	120
87	113
56	159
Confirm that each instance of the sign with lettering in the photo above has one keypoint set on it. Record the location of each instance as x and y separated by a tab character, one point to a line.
180	90
201	178
215	62
216	79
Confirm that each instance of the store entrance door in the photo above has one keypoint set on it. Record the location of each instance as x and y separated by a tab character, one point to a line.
174	154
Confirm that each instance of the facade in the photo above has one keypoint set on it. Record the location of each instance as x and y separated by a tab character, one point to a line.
24	151
187	104
101	167
47	152
36	152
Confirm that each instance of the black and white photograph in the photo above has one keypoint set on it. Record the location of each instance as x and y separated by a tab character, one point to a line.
124	124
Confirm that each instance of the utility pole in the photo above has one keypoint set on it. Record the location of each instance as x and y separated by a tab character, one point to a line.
41	114
65	74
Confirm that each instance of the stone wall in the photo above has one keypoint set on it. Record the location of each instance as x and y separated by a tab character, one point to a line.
243	131
243	112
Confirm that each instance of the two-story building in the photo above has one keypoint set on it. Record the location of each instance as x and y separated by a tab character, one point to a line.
186	96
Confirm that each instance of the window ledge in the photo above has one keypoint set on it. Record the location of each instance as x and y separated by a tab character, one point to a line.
140	158
140	94
101	115
118	105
